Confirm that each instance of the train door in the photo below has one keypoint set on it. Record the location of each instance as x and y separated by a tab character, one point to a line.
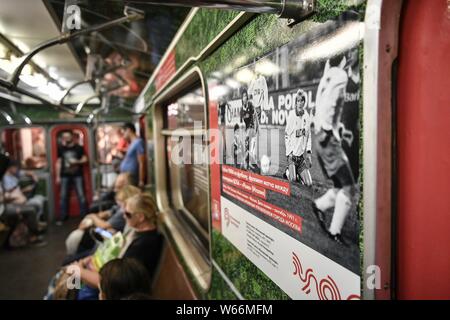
81	136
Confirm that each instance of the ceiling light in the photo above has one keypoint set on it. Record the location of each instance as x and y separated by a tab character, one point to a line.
35	80
9	64
244	76
4	52
7	117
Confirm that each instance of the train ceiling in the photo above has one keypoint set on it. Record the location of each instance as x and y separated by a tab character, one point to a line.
132	49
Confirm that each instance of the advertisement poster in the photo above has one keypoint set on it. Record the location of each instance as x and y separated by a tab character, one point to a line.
289	171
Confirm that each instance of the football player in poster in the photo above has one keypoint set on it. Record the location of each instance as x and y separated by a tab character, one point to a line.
222	111
298	142
249	118
237	146
259	92
329	130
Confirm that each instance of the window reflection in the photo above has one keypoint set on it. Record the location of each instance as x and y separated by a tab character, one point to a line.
111	144
189	181
27	145
186	110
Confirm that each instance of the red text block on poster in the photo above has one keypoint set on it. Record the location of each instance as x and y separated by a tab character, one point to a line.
289	219
273	184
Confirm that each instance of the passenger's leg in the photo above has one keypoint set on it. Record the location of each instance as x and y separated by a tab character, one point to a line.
38	202
73	240
14	213
86	243
79	187
30	217
64	197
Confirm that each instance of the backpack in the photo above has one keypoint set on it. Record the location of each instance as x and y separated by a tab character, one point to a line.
19	236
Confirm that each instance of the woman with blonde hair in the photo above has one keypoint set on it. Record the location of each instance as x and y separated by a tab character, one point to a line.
115	222
142	242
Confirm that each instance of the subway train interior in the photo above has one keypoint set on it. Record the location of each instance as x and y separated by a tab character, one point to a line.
224	150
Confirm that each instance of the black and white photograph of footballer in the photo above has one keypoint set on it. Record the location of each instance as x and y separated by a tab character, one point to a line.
249	118
298	142
296	119
329	130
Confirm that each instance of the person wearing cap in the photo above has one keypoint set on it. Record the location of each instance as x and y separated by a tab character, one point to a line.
134	160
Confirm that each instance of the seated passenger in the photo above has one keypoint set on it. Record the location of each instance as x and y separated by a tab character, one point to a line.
142	242
87	242
113	221
26	195
124	279
106	199
13	214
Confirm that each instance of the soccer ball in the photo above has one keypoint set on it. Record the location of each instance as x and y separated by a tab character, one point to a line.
265	165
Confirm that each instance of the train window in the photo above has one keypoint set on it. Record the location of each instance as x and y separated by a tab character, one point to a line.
191	181
110	143
27	145
188	177
186	111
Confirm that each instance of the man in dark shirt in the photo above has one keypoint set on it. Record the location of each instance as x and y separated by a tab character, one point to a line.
69	173
247	111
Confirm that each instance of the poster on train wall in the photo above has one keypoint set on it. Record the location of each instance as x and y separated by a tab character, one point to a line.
289	161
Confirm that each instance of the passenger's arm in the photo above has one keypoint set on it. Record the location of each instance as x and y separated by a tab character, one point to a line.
82	160
58	171
89	277
104	214
100	223
141	160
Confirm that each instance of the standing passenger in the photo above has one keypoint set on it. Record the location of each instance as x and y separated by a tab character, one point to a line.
134	160
69	173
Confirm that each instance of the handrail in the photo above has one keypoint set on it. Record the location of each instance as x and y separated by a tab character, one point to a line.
13	80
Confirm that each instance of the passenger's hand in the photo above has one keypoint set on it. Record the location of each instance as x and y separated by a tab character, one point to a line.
141	184
73	267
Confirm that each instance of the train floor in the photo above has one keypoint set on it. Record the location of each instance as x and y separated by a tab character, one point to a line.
26	272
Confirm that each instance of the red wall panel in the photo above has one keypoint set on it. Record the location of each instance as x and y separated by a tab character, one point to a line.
423	130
